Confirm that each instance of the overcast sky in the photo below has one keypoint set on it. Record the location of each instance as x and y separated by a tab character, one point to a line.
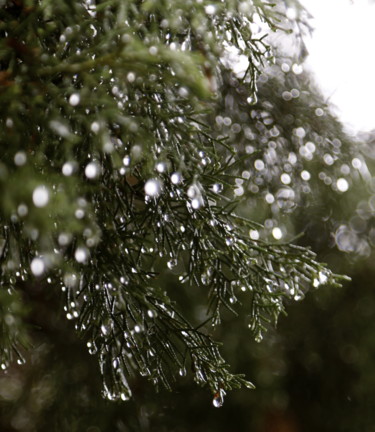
342	56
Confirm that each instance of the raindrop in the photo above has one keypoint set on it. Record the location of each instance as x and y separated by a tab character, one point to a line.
67	168
285	178
22	210
95	127
252	100
153	187
160	167
254	234
183	92
40	196
59	128
210	9
182	371
287	96
259	165
323	278
270	199
217	187
297	69
204	278
70	280
328	159
130	77
124	397
64	239
74	99
105	329
285	198
357	164
37	266
172	263
277	233
196	203
176	178
342	185
20	158
126	160
229	241
79	213
81	254
218	399
153	50
92	170
305	175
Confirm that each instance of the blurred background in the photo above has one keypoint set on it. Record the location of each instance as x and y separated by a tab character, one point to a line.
316	371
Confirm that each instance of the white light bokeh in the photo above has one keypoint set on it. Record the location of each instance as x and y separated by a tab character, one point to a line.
340	55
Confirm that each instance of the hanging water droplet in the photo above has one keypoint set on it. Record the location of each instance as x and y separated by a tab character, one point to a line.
182	371
37	266
81	254
160	167
217	187
92	348
252	100
105	329
40	196
259	337
74	99
172	263
229	241
68	168
124	280
205	279
210	9
218	399
126	160
92	170
20	158
125	397
176	178
95	127
153	187
196	203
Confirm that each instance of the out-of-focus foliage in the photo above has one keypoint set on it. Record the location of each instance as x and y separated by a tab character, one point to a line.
149	180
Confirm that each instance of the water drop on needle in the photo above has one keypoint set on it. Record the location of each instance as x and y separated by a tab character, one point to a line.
218	399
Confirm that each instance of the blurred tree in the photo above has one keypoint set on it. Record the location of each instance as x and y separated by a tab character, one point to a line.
138	161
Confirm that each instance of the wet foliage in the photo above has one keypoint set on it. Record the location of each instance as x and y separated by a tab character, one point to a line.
137	162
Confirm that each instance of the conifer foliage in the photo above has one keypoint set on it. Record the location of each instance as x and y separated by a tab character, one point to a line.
113	179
